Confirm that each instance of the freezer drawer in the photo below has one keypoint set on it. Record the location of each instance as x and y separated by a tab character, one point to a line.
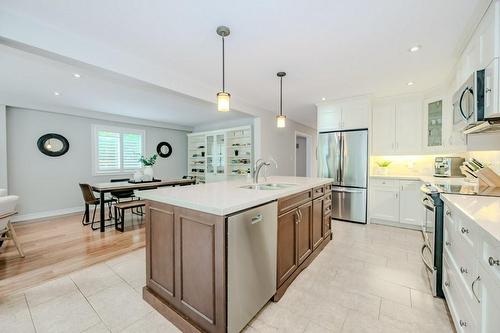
349	204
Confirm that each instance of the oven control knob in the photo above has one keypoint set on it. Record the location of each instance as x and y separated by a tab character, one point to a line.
448	243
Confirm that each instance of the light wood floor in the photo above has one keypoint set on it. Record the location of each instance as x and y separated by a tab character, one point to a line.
61	245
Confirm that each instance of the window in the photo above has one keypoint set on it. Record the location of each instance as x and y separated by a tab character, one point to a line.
117	150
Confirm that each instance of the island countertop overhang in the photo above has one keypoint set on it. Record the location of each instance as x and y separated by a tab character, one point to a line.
227	197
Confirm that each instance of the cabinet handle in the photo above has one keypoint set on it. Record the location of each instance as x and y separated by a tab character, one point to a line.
472	287
447	283
464	230
487	90
463	270
463	323
493	262
297	217
448	212
300	215
448	243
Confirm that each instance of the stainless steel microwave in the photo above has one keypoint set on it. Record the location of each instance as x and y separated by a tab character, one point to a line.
468	101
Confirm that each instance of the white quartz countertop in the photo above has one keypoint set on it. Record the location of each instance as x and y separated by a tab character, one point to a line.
429	179
226	197
485	211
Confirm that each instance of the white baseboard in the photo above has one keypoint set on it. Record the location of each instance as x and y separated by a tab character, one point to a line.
47	214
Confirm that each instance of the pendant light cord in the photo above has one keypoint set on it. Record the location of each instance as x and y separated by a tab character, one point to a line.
223	69
281	95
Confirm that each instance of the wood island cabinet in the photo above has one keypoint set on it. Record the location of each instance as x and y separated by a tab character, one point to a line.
304	229
187	259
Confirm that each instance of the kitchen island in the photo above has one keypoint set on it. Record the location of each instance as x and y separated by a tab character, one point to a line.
201	276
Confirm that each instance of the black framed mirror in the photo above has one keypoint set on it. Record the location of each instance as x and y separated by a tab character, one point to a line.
164	149
53	145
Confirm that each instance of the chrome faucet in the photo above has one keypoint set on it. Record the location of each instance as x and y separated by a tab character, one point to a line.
258	165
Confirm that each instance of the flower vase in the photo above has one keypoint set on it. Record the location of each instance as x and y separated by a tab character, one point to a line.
148	173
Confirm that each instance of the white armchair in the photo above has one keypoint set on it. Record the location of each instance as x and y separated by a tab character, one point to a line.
7	210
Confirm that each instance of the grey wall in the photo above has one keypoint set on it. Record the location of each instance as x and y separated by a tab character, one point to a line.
50	184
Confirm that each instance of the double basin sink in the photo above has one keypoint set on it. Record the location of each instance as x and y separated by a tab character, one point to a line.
268	186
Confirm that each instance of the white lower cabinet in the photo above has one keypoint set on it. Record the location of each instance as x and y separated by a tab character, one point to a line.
471	284
396	202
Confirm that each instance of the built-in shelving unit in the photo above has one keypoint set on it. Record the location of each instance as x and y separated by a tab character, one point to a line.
220	155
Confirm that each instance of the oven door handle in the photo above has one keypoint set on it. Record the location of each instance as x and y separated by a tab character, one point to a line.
429	267
428	204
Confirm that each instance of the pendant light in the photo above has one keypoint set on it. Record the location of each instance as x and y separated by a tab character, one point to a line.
223	96
281	119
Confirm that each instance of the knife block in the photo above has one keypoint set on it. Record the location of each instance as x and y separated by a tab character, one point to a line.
488	177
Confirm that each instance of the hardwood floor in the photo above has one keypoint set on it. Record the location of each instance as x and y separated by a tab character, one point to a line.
61	245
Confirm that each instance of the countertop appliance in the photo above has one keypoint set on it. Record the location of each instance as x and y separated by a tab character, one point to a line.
432	231
468	101
448	166
343	156
252	238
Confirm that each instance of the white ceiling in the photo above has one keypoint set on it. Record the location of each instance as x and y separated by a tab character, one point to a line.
30	80
328	48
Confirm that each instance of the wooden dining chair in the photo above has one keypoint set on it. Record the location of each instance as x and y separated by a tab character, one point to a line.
90	199
7	210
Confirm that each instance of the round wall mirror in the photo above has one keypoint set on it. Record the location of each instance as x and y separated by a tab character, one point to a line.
164	149
53	144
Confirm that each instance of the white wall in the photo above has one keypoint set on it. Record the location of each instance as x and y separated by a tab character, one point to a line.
279	143
49	185
3	146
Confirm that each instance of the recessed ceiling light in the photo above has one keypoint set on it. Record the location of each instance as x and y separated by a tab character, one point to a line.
76	75
410	83
323	98
56	93
414	48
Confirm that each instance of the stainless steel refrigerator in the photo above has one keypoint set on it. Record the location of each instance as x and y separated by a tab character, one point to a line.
343	156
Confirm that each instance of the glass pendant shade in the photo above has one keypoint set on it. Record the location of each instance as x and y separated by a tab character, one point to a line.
223	101
280	121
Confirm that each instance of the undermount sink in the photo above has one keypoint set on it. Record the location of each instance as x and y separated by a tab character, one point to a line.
270	186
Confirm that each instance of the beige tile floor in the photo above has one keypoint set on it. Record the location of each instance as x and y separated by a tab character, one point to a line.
369	279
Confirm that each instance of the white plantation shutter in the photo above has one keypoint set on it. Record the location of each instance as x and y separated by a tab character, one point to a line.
132	151
117	150
108	151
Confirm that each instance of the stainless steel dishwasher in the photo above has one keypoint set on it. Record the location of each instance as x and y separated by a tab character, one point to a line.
252	237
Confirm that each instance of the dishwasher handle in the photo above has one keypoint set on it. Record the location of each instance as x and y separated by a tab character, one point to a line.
257	218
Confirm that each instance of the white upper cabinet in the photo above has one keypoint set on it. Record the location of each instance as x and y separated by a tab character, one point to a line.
397	126
383	129
408	127
344	114
329	117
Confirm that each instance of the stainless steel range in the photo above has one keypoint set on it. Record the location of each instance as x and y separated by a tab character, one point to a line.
432	225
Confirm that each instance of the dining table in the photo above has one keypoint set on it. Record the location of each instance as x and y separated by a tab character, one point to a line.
103	188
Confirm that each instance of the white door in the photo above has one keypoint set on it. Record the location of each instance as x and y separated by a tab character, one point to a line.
410	209
384	203
355	114
300	156
329	117
409	127
384	129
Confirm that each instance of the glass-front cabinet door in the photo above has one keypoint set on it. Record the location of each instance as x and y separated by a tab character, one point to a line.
216	161
434	124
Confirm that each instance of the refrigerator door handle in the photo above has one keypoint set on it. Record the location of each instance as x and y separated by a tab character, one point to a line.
341	159
349	190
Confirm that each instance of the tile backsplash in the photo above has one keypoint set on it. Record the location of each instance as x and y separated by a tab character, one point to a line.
423	165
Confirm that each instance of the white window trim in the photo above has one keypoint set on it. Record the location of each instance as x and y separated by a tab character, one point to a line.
121	130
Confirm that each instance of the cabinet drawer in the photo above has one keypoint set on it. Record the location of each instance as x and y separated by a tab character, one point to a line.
328	196
293	201
318	191
327	208
328	187
466	230
465	270
383	182
463	318
490	259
